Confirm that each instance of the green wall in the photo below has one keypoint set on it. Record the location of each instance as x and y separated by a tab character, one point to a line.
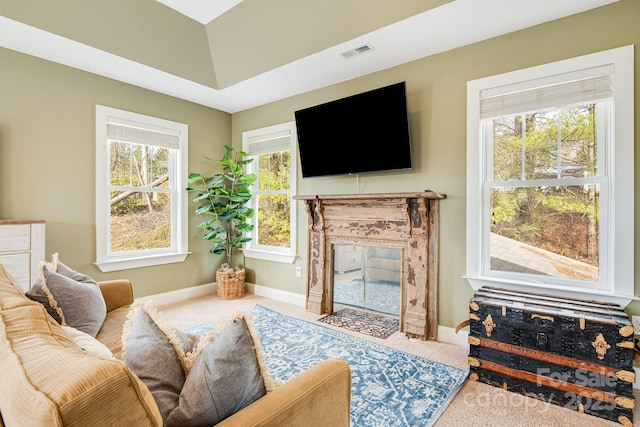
47	152
436	89
47	158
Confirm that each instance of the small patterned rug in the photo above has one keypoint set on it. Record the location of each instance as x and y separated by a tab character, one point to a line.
374	325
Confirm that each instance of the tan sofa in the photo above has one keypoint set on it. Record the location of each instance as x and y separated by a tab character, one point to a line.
48	380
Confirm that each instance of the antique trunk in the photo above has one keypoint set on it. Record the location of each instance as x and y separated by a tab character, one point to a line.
573	353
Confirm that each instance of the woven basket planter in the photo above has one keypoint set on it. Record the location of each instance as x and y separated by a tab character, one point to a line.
230	284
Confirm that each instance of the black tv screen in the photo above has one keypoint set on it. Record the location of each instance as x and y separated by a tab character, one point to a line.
367	132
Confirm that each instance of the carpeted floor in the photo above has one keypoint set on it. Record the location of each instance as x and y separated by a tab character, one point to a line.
476	405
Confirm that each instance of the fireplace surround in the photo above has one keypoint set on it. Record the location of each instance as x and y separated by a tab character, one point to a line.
405	221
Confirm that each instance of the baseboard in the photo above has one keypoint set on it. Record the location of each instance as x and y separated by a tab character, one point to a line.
445	333
179	294
277	294
210	288
448	335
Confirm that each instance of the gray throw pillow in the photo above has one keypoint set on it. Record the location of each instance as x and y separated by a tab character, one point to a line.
156	353
75	297
36	293
225	377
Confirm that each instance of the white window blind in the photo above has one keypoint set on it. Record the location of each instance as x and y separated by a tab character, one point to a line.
136	135
268	143
516	101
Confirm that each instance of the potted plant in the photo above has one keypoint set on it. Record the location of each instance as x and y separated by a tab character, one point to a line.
223	197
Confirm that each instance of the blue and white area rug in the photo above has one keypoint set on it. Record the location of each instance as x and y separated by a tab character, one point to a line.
389	387
378	295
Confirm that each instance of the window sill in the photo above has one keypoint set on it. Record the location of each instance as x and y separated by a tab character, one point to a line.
556	290
269	256
147	261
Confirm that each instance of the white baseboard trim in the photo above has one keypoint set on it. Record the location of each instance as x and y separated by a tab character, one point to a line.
448	335
445	333
210	288
179	294
277	294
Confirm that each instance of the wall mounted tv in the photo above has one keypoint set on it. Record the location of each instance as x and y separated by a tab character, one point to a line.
367	132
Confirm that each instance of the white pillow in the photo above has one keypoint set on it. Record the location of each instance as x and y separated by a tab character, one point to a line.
88	343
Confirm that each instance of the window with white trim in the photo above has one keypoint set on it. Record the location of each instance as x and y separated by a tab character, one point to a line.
141	216
550	178
273	150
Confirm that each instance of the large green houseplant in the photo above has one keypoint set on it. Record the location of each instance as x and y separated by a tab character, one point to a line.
223	197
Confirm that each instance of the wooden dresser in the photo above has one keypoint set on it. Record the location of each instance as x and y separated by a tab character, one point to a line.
22	248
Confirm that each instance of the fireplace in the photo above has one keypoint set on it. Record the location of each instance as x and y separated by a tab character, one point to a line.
404	221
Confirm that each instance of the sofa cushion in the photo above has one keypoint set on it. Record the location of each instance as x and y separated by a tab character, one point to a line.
75	297
88	343
111	332
225	377
156	352
11	294
53	381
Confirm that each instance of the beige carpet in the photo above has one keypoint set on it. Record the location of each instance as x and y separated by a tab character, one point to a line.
475	405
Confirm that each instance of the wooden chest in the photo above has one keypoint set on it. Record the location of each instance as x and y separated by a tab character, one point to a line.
573	353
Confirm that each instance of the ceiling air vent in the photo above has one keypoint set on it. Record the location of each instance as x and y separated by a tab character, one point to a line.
355	51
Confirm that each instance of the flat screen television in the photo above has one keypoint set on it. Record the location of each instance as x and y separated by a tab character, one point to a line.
367	132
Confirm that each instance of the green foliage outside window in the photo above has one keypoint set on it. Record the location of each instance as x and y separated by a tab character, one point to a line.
532	149
274	182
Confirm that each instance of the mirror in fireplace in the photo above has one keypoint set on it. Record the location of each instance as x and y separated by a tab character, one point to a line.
367	279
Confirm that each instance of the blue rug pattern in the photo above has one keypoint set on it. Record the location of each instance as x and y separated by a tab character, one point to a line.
381	295
389	387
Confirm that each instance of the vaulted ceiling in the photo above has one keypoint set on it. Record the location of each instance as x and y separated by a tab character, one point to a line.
237	54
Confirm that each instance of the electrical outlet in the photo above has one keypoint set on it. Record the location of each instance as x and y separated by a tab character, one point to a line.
636	324
299	274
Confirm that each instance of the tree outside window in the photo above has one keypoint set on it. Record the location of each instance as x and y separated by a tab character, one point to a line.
273	149
543	192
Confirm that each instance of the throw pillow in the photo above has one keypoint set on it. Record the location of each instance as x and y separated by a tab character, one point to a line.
156	353
36	293
75	297
88	343
228	374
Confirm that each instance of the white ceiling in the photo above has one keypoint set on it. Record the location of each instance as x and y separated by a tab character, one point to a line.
455	24
203	11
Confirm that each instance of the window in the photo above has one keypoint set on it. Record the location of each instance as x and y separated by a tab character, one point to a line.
273	151
550	178
141	165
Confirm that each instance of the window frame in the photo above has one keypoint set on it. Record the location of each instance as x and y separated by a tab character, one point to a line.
107	261
264	252
617	255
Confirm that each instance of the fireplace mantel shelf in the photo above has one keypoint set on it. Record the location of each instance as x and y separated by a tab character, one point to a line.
404	221
365	196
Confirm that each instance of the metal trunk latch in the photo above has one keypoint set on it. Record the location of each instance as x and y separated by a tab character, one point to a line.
542	340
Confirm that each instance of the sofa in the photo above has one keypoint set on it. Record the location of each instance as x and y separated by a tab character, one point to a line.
47	379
